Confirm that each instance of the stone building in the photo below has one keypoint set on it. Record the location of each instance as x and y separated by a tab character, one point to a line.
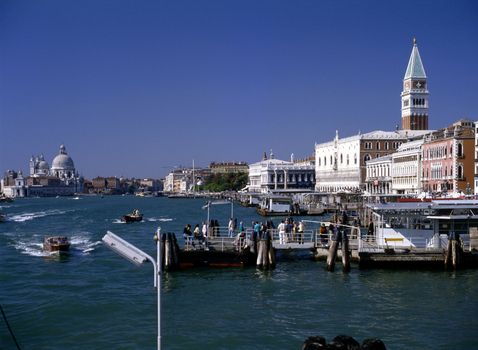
13	184
228	167
449	159
407	168
341	164
378	180
274	175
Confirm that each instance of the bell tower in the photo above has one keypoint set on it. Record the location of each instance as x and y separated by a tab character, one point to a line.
415	93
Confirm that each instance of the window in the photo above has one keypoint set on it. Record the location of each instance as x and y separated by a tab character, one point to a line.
460	172
319	161
366	158
378	145
325	161
460	150
355	158
341	158
347	159
386	145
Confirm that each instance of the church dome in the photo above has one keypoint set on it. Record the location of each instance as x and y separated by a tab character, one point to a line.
62	161
43	165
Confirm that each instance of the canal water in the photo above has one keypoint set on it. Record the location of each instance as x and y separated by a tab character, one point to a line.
94	299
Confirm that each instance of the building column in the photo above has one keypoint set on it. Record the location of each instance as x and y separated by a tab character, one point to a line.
275	179
285	179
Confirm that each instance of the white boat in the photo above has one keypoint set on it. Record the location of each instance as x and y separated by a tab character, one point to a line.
425	225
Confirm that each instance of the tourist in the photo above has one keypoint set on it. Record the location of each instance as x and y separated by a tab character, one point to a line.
370	231
301	231
230	227
187	232
323	234
282	233
204	232
241	227
197	234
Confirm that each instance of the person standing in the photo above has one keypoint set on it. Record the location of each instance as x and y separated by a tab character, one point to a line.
370	230
301	231
230	227
282	234
204	232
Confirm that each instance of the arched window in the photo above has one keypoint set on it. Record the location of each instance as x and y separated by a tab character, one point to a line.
460	150
355	158
460	172
386	145
319	161
325	161
366	158
347	159
378	145
341	158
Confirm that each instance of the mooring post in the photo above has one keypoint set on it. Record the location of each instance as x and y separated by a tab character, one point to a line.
333	252
345	253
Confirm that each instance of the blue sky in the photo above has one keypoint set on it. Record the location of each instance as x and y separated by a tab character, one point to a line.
135	88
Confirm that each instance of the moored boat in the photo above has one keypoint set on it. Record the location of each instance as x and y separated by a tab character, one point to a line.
56	244
135	216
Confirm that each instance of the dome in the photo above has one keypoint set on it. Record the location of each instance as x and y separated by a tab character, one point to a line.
43	165
62	161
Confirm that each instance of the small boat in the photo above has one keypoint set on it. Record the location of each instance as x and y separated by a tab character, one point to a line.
56	244
133	217
5	199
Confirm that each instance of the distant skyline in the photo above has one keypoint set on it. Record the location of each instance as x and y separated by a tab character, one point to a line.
136	88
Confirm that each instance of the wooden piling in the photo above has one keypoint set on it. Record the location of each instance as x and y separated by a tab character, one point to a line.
332	255
345	253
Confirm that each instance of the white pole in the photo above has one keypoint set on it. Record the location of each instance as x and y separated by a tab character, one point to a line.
159	269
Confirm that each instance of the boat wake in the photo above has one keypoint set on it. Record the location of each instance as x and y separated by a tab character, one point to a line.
83	243
118	221
30	216
159	219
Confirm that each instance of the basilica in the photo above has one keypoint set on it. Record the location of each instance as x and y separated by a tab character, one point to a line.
61	179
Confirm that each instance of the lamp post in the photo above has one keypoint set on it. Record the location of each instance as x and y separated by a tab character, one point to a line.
138	257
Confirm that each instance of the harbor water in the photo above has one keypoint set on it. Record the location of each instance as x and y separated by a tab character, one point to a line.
92	298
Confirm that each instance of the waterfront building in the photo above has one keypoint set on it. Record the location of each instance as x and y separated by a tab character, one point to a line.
60	180
184	180
407	168
448	159
13	184
274	175
340	165
151	185
415	93
476	157
228	167
106	185
378	180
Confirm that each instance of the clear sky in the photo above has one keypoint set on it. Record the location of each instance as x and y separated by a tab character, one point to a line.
135	88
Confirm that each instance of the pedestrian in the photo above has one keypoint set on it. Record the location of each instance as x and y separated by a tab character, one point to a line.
204	232
282	233
301	231
370	231
230	227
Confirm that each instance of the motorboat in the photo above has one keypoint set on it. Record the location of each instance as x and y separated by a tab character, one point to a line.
133	217
56	244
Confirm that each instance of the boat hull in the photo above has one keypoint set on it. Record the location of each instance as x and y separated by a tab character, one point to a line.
131	218
56	244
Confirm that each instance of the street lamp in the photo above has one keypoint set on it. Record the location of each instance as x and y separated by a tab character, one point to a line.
138	257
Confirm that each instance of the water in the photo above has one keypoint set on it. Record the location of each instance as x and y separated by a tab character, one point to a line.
94	299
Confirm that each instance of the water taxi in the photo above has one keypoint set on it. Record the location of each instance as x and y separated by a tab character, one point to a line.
133	217
56	244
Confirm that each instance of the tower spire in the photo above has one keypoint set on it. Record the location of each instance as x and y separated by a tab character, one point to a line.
415	93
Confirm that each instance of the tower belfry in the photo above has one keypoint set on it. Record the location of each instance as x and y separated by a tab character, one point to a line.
415	93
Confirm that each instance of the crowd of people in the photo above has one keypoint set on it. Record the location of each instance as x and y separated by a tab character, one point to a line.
289	230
